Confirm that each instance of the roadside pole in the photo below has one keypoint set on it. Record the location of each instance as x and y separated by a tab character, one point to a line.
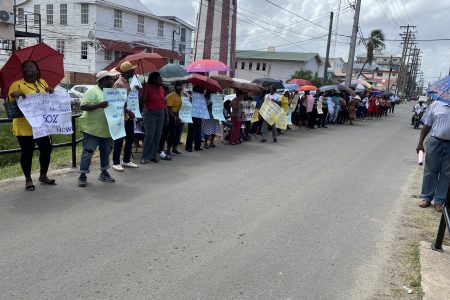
351	53
327	57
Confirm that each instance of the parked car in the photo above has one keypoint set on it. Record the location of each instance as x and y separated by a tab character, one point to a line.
79	90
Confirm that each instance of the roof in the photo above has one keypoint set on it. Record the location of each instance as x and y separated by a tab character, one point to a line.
178	20
269	55
132	4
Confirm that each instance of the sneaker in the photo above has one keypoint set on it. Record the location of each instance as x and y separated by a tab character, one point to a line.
118	168
82	180
275	140
165	156
105	177
129	165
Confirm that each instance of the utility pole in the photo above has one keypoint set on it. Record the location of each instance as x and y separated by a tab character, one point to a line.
327	57
351	53
390	72
408	40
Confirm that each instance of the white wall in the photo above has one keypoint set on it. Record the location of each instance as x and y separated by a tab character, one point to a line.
275	69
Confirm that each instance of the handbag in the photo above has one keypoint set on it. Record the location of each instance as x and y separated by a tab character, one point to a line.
12	110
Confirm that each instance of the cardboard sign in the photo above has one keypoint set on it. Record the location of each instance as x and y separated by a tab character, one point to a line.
217	108
185	112
247	109
114	112
133	103
199	107
270	112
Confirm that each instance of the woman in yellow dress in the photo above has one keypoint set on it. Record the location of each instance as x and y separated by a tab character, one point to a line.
31	83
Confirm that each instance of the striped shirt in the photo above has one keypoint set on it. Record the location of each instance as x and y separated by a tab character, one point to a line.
438	117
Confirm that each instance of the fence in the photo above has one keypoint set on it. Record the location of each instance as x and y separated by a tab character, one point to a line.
445	222
73	143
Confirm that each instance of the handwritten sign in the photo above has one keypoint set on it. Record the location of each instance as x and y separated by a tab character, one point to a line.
135	83
282	121
289	113
255	116
247	109
114	112
294	102
185	112
48	113
133	103
217	108
199	107
270	112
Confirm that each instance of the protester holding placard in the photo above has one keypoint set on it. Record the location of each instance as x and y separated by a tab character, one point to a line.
126	70
95	128
236	117
211	126
274	97
154	101
31	83
174	103
194	135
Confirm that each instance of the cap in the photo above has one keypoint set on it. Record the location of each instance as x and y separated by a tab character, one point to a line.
102	74
357	97
126	66
286	90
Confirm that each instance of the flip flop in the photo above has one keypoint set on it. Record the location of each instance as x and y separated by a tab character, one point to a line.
48	181
30	187
425	203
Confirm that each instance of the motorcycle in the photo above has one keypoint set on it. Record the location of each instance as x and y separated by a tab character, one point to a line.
417	120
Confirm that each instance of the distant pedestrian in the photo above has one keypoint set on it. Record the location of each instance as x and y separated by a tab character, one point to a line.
236	117
211	126
274	97
436	174
175	126
194	134
95	128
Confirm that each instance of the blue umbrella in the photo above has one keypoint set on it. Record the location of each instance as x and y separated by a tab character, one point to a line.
291	86
440	91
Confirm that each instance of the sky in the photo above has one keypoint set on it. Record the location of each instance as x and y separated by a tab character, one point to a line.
262	25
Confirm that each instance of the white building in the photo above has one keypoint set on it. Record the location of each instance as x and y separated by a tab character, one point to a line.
277	65
93	34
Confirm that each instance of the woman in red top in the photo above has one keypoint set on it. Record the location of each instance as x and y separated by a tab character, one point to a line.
373	110
154	101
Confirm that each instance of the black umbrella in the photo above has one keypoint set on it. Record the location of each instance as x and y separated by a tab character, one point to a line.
337	88
388	94
267	82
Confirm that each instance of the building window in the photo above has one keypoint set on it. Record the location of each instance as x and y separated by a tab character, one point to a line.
108	55
117	55
37	14
183	35
21	43
258	66
84	13
141	23
49	14
117	19
264	67
20	16
243	65
84	50
235	65
250	66
60	46
182	54
63	14
380	74
160	28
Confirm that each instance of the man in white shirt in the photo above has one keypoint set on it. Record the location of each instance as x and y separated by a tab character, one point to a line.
272	96
419	108
436	175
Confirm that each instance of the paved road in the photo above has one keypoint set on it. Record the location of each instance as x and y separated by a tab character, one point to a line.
302	219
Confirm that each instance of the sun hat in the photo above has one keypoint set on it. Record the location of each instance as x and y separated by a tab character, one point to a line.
102	74
126	66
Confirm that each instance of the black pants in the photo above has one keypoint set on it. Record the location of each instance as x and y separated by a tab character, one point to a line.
27	144
323	117
391	109
175	130
194	134
164	138
129	138
312	118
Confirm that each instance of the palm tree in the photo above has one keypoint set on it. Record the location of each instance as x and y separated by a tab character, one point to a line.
374	41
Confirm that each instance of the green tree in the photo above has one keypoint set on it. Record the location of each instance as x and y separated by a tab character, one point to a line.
374	41
308	75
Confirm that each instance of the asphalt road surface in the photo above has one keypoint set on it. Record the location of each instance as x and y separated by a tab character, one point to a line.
306	218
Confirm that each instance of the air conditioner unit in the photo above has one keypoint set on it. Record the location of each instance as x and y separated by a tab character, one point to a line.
6	17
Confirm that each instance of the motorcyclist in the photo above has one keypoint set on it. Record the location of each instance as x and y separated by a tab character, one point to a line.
419	109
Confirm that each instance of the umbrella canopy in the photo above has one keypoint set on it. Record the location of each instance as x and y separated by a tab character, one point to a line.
338	88
267	82
235	83
364	83
300	82
204	82
291	86
49	61
441	90
307	88
172	70
146	62
388	94
206	66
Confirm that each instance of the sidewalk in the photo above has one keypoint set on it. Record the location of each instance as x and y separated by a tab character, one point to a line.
435	272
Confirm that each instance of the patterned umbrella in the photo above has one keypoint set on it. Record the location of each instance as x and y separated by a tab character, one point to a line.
440	91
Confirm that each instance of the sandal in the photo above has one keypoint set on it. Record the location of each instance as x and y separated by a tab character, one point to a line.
29	186
212	145
47	180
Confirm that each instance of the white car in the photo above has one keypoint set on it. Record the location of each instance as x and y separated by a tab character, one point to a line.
79	90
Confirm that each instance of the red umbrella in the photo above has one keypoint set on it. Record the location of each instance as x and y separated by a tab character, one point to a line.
207	65
146	62
235	83
300	82
307	88
204	82
49	61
